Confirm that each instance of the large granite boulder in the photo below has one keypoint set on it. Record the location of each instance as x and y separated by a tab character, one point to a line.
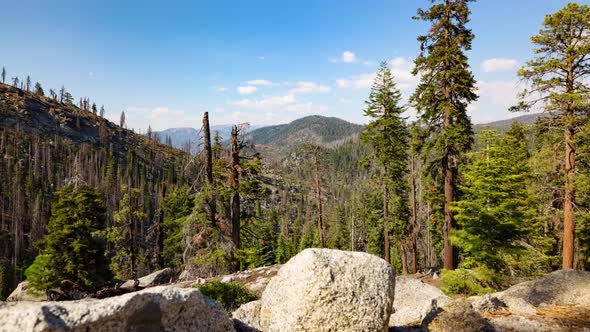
154	309
414	300
25	293
156	278
325	290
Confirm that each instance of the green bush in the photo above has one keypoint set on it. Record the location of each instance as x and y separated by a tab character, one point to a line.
466	282
230	295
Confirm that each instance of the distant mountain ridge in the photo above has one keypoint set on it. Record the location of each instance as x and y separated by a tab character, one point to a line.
315	129
310	129
181	136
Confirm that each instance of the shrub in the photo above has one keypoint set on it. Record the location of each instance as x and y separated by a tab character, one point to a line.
230	295
466	282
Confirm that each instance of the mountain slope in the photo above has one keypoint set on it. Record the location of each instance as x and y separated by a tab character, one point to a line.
180	137
505	124
45	145
311	129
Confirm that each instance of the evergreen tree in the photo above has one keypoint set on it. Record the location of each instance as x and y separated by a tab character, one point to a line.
122	120
558	76
3	74
94	110
123	237
177	207
446	88
388	135
495	209
73	248
39	90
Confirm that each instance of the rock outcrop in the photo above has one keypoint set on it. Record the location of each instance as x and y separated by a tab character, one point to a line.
559	301
23	292
325	290
154	309
414	300
159	277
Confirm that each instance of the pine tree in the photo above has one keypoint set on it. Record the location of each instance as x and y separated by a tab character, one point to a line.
94	110
122	120
72	249
558	76
177	207
388	136
446	88
28	83
3	74
495	208
123	237
39	90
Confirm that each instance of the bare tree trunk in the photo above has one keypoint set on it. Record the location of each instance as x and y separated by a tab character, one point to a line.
404	258
319	201
414	234
234	202
210	200
386	247
159	232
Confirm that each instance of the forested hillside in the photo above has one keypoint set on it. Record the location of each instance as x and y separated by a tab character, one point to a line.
46	144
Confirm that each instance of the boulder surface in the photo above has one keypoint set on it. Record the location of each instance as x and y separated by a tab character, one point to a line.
156	278
325	290
414	300
154	309
23	292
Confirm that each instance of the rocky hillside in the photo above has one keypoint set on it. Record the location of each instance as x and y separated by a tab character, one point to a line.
45	145
46	117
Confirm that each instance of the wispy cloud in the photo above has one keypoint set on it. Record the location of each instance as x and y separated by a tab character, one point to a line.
261	82
309	87
220	88
401	68
498	64
246	90
346	57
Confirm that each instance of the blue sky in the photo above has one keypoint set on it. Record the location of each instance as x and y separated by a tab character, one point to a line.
263	62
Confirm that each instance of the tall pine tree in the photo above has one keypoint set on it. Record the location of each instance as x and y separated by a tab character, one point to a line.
558	77
446	88
388	135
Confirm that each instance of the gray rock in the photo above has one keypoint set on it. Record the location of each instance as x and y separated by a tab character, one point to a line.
24	293
155	309
488	303
326	290
414	300
563	287
458	316
159	277
247	317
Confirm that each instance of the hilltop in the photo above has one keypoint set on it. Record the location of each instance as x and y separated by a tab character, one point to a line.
46	117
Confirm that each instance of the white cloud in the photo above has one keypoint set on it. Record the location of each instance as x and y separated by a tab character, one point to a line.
158	118
362	81
261	82
345	100
348	57
246	90
266	102
272	109
498	64
261	58
495	97
309	87
401	68
220	88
